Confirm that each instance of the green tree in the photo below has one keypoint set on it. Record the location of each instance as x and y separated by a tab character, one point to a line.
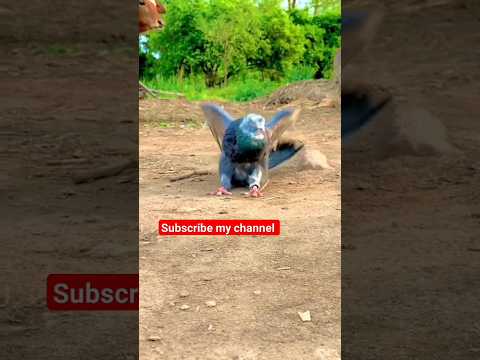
232	28
324	6
217	40
282	43
182	46
322	35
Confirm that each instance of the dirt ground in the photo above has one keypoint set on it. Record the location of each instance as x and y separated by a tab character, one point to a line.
55	83
258	284
65	77
410	223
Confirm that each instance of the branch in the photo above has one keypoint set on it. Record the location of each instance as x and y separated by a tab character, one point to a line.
103	172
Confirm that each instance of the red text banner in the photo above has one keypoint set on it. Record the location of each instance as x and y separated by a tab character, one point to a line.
92	292
219	227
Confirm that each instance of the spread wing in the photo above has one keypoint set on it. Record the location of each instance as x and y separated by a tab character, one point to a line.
218	121
281	122
360	106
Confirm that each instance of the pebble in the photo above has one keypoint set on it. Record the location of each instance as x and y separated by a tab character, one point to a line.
305	316
154	338
210	327
184	294
257	292
211	303
184	307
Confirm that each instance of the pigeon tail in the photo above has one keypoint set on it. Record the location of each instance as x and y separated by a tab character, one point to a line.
285	150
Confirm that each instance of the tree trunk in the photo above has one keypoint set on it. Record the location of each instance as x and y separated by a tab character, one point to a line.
181	74
225	76
316	7
226	63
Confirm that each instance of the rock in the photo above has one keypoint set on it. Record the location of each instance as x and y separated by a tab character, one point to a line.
189	210
184	294
184	307
305	316
257	292
322	353
211	303
210	327
414	131
313	160
328	103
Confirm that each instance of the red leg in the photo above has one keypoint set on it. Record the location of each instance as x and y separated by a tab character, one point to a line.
221	191
255	192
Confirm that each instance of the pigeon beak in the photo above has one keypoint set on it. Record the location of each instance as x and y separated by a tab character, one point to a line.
260	134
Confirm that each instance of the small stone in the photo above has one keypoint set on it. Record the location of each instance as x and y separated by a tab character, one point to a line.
69	192
211	303
184	307
184	293
257	292
305	316
154	338
210	327
326	353
124	180
189	210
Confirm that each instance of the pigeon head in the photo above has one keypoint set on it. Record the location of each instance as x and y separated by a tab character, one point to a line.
252	133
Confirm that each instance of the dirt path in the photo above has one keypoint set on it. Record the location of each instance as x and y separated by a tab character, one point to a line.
259	284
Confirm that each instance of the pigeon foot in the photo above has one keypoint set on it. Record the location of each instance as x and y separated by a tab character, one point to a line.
221	191
254	192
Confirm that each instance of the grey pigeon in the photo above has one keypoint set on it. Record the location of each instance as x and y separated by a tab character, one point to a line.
250	147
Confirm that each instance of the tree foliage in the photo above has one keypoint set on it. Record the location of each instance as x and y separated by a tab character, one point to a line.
221	39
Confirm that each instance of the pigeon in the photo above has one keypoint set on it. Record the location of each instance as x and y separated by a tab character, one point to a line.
360	105
250	147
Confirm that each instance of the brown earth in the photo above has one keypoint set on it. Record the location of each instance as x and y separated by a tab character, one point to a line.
410	223
66	72
258	284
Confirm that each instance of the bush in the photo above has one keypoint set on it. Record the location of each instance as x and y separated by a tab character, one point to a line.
238	49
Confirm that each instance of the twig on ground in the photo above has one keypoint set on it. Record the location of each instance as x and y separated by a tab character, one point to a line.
103	172
190	175
67	162
155	93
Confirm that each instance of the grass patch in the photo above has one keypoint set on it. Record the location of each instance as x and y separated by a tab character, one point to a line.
240	89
